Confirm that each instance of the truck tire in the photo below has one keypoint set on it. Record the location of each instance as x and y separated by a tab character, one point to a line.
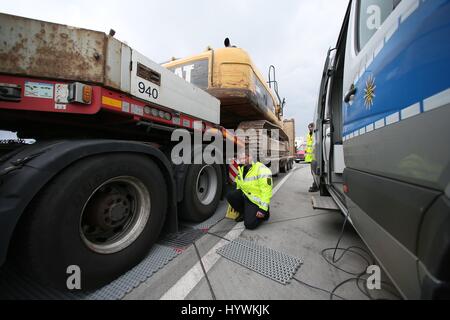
202	192
101	214
283	167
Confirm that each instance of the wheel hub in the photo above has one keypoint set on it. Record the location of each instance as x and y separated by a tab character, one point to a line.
114	215
108	211
206	185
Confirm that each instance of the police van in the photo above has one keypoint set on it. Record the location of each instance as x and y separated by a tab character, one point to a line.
382	139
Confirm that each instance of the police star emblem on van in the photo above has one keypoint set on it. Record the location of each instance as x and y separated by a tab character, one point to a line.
369	92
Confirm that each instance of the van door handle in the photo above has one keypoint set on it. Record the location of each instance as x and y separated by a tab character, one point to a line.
351	93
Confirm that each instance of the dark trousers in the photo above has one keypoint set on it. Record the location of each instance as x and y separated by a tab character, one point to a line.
245	207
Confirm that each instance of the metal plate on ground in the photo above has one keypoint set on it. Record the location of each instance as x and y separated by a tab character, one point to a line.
270	263
211	222
324	203
16	286
182	239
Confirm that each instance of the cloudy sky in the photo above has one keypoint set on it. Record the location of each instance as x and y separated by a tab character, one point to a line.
293	35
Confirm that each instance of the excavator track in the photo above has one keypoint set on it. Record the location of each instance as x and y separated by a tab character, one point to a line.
277	144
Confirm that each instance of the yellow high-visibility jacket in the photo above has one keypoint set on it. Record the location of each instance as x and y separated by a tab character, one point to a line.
256	185
309	153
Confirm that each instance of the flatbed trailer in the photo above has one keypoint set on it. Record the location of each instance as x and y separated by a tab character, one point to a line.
99	185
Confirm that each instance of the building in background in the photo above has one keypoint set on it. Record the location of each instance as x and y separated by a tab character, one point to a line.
300	143
289	128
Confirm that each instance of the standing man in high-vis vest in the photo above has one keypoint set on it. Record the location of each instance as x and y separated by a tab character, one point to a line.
309	156
309	153
253	193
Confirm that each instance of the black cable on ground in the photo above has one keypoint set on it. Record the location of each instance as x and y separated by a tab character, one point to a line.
204	272
216	235
299	281
317	288
363	254
358	276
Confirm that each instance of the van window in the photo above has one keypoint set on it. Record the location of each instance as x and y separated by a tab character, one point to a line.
371	15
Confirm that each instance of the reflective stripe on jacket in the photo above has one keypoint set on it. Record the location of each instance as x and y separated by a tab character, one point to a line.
256	185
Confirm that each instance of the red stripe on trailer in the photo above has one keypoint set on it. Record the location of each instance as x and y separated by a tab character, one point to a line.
233	170
41	95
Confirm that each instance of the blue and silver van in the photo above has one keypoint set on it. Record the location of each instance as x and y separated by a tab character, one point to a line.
382	140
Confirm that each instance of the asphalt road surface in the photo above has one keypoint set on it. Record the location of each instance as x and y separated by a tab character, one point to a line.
295	228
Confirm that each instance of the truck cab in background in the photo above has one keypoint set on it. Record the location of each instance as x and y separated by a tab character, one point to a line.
382	137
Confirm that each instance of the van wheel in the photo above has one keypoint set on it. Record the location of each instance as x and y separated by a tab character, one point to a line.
202	192
101	214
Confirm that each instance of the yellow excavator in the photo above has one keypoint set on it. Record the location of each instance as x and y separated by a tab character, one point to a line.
247	100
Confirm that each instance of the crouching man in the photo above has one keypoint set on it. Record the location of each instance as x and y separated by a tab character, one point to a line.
253	193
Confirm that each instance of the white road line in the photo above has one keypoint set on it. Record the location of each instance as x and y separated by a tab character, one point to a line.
181	289
186	283
282	182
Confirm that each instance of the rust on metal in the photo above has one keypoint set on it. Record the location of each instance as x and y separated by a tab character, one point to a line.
34	48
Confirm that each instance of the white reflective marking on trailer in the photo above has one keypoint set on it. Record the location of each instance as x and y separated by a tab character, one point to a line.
411	111
125	106
370	128
137	110
234	169
439	100
181	289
